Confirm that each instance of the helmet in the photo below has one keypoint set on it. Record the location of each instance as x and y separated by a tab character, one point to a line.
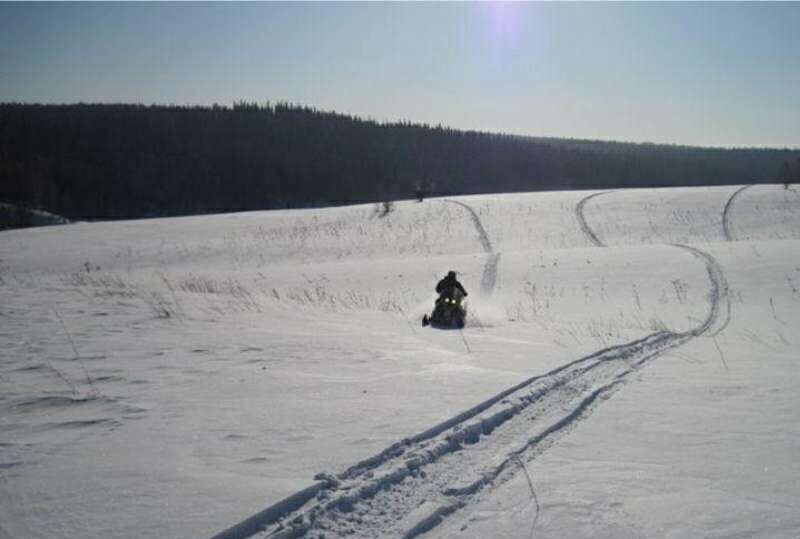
451	274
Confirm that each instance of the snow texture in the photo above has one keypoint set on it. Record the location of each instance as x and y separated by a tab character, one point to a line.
628	370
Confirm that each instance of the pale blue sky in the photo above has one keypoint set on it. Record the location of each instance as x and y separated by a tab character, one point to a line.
722	74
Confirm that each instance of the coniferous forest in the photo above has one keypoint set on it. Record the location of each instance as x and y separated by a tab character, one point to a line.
123	161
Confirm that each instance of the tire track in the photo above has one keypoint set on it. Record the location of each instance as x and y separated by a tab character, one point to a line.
726	224
489	276
579	209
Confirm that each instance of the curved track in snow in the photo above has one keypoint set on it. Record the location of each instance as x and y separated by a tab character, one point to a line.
414	484
720	315
411	486
726	224
489	276
719	284
483	236
579	209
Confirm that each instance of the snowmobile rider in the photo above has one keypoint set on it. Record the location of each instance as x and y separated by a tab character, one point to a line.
450	282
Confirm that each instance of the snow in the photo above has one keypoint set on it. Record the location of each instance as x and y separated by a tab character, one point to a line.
628	369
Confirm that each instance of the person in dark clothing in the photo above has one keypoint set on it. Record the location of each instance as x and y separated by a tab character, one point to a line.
450	282
449	310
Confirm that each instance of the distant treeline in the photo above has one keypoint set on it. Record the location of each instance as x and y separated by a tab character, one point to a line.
110	161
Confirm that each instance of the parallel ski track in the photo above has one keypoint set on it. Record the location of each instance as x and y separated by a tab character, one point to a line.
413	485
489	277
726	224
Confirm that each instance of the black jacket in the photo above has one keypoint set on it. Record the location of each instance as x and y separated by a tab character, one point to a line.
449	282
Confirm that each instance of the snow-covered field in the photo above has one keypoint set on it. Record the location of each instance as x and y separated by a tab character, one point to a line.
629	369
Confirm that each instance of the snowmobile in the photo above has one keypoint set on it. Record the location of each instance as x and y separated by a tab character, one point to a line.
449	311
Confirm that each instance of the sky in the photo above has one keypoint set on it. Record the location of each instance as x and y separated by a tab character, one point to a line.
710	74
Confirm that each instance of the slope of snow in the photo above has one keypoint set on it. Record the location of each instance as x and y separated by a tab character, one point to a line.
171	377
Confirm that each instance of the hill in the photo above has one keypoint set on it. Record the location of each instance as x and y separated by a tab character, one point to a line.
628	369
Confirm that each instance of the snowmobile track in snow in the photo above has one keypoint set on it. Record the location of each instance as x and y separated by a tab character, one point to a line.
726	223
718	296
579	209
719	284
489	277
413	485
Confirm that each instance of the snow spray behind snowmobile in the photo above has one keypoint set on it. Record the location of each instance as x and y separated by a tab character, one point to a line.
449	311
